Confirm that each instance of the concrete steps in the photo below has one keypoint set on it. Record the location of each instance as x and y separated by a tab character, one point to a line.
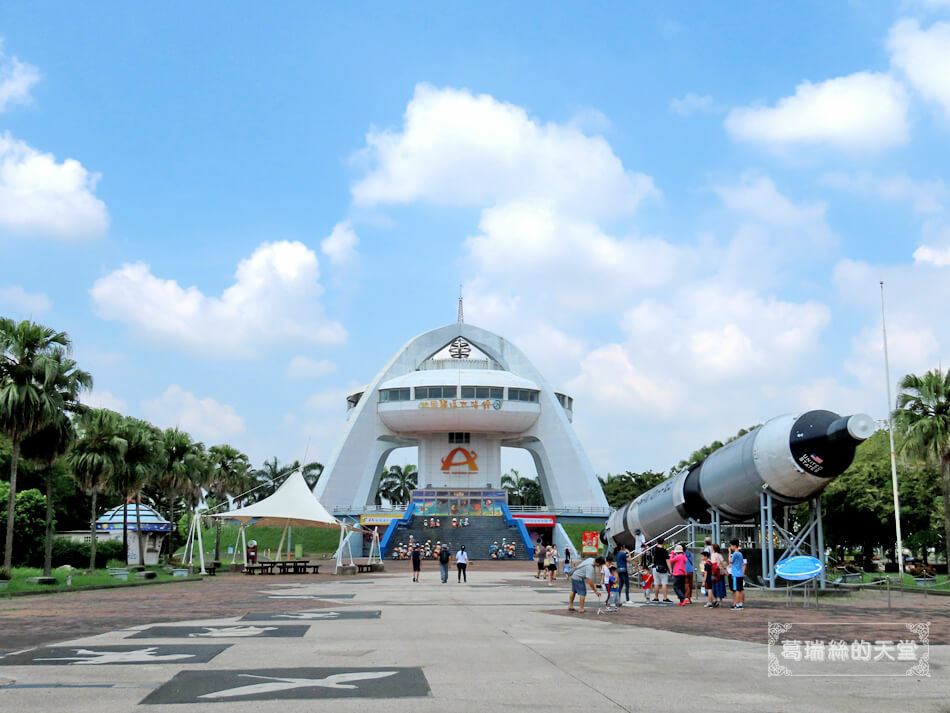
477	537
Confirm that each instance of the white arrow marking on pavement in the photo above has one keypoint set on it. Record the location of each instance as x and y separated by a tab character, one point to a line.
92	657
336	681
310	615
232	631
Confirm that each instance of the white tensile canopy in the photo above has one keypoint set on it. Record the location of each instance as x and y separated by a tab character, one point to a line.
292	505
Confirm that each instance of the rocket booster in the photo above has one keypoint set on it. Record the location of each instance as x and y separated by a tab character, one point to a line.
793	457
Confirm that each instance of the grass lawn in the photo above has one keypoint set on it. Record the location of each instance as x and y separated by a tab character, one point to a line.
315	541
908	579
100	577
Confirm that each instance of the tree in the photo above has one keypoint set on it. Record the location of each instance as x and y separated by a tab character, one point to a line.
44	447
184	464
522	491
142	461
923	418
28	521
397	483
229	476
96	457
621	489
32	363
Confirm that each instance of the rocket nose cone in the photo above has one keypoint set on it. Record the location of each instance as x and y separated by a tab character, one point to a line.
861	426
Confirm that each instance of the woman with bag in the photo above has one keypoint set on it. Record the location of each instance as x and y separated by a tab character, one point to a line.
552	566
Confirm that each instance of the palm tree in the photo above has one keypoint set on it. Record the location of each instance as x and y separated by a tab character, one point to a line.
522	491
44	447
96	458
229	476
31	361
397	483
923	417
144	458
184	459
269	475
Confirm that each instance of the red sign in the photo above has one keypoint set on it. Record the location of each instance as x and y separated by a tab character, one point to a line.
590	543
537	520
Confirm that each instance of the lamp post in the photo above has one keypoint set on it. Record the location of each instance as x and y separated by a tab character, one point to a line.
890	433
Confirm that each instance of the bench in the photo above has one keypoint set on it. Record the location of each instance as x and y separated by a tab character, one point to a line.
262	568
47	581
363	568
145	574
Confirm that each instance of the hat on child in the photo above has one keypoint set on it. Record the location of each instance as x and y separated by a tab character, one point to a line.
678	548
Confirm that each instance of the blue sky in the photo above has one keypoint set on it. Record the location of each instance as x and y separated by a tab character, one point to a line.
239	211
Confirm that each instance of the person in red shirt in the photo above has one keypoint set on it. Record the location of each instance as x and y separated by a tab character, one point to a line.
646	579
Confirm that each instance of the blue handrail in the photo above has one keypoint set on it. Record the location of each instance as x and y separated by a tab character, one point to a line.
393	526
519	523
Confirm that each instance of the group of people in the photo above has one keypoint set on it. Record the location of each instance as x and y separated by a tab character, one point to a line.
436	522
613	575
548	562
427	549
444	556
506	550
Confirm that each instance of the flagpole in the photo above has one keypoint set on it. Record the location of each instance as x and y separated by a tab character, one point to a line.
890	433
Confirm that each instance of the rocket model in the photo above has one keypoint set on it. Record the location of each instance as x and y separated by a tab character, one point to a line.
792	457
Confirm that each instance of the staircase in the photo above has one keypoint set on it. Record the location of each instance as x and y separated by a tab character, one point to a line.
481	532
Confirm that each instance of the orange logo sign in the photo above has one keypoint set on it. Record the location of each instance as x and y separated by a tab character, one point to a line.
466	457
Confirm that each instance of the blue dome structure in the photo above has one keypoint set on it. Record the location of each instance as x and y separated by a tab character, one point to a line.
151	520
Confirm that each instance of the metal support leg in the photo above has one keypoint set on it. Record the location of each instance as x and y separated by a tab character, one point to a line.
771	542
821	542
763	536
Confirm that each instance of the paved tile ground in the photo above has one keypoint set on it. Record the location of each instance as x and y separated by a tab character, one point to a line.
500	643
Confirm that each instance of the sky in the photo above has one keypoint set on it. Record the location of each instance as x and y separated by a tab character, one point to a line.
682	213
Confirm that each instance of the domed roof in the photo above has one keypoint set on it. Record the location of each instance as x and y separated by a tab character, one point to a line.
151	520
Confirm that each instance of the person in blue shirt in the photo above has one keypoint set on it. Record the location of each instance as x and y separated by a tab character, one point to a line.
689	572
737	567
623	575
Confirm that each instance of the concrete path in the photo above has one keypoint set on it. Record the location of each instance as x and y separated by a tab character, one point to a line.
431	647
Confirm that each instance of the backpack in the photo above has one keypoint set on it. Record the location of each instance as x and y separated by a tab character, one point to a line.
444	557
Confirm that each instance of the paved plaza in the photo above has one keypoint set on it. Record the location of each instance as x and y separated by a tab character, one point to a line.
501	642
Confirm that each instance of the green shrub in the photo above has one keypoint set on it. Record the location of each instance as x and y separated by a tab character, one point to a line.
76	554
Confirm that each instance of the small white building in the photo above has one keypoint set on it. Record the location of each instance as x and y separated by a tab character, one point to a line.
155	529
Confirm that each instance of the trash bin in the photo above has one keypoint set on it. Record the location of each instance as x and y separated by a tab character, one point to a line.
252	552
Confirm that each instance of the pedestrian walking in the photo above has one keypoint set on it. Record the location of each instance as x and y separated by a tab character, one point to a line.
582	577
416	563
539	556
623	575
461	562
552	566
444	558
567	561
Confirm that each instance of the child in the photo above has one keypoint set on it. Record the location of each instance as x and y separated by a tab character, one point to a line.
737	567
646	578
613	592
707	569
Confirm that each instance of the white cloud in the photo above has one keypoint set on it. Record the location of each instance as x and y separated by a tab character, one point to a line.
274	298
458	148
936	256
301	367
39	196
692	104
864	111
19	299
757	197
924	196
924	56
340	245
104	399
570	262
205	419
16	80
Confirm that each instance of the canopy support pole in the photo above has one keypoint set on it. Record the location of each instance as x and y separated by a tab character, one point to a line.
201	547
186	553
344	542
281	544
375	557
244	543
237	540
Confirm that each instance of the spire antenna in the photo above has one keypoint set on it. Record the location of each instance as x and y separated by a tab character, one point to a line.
461	315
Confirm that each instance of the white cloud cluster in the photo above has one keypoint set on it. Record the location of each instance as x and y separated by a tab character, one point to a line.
274	298
924	57
300	368
205	419
692	104
39	196
458	148
340	245
864	111
924	196
16	80
29	303
104	399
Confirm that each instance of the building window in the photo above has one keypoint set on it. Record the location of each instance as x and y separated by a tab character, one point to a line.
565	401
483	392
436	392
459	438
394	394
523	395
353	399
